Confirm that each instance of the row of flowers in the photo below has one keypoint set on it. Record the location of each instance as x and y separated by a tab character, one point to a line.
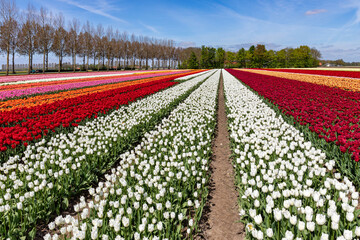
31	101
351	84
337	73
55	76
159	188
38	182
331	114
287	187
48	78
28	124
11	91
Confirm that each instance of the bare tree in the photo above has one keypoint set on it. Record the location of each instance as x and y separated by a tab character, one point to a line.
88	42
117	48
41	33
14	45
9	24
98	37
73	40
142	51
153	51
81	48
27	45
147	51
109	46
125	49
60	38
132	49
44	35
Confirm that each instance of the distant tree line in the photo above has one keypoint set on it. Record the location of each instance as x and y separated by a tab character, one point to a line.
339	63
255	57
33	31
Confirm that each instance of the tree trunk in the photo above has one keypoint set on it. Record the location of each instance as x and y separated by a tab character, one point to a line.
87	63
31	60
59	64
47	61
7	59
13	61
99	63
74	61
29	67
44	58
84	62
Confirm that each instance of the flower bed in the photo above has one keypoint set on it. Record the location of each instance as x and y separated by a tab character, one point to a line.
11	91
331	113
31	101
28	124
337	73
60	76
337	82
39	182
159	189
287	187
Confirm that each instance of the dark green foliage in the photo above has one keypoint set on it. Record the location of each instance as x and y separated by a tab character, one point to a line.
193	62
256	57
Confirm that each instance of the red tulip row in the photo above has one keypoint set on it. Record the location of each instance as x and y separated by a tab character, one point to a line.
330	112
31	124
335	73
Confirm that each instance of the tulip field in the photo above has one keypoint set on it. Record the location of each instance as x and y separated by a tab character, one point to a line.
305	197
127	154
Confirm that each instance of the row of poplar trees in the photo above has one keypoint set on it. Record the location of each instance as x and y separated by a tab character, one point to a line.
33	31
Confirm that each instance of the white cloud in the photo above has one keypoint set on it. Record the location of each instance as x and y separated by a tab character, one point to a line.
355	4
151	28
315	11
94	10
340	52
186	44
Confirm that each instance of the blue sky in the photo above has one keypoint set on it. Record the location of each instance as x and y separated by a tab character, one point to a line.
331	26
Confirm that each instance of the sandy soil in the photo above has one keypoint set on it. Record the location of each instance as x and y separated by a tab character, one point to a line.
221	215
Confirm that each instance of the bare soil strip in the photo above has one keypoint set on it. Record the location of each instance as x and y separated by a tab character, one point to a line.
221	215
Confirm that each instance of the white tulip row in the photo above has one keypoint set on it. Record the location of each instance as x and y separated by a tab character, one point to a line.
190	76
158	189
287	187
48	168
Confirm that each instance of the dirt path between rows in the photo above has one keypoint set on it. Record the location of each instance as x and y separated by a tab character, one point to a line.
221	215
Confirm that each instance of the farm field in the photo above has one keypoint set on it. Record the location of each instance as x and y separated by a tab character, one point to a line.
130	155
179	120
